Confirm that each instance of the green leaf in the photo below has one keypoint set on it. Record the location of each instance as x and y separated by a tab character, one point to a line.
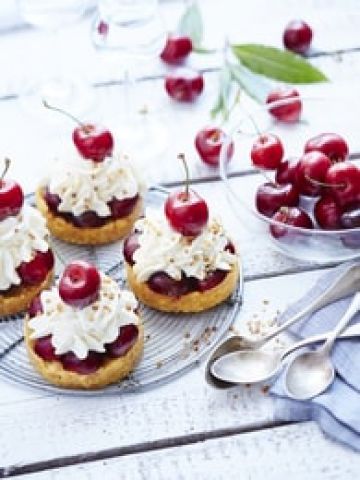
222	101
191	24
278	64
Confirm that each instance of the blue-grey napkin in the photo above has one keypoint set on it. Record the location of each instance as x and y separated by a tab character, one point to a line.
337	411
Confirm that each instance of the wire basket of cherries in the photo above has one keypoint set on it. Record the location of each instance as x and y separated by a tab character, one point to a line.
307	205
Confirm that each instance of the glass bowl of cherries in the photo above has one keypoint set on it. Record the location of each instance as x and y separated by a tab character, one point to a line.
294	178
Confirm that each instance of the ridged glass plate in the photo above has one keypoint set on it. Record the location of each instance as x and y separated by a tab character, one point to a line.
173	342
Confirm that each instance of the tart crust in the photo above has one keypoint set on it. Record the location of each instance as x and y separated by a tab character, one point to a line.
113	369
66	231
18	298
191	302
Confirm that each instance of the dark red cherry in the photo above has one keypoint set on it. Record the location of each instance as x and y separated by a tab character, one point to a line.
127	338
89	219
297	36
331	144
290	110
212	280
184	84
270	197
343	181
208	143
36	270
293	216
161	282
131	244
311	172
11	195
90	364
286	171
122	208
45	349
267	152
350	218
79	284
176	49
35	307
327	213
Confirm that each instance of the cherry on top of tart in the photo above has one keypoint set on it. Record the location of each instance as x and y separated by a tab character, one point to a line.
11	195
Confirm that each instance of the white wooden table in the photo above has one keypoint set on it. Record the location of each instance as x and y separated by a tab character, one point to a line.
183	429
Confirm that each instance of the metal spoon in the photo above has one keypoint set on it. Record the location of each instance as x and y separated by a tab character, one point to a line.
347	283
255	366
311	373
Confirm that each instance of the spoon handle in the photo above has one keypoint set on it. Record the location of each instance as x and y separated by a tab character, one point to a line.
348	315
350	332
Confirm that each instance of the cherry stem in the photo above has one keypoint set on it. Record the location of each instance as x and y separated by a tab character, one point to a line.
181	157
323	184
6	168
60	110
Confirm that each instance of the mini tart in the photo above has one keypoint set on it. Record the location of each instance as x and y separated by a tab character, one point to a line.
113	369
18	298
66	231
189	303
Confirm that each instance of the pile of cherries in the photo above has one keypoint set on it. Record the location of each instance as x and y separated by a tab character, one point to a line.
322	173
93	142
11	201
188	214
79	287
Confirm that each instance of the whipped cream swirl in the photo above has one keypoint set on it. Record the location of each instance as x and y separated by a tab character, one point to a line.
90	328
84	185
163	249
20	237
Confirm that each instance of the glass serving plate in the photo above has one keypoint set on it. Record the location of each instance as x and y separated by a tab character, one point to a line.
241	180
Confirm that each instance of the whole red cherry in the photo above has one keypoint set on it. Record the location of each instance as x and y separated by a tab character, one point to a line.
290	110
36	270
176	49
328	213
297	36
267	152
184	84
270	197
286	171
331	144
11	195
293	216
311	172
79	284
93	142
185	210
343	183
208	143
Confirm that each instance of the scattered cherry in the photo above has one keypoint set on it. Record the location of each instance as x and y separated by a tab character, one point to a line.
184	84
185	210
89	365
293	216
291	110
35	307
131	244
36	270
343	182
176	49
311	172
267	151
45	349
208	143
128	336
271	196
297	36
350	218
93	142
331	144
327	213
11	195
286	171
80	284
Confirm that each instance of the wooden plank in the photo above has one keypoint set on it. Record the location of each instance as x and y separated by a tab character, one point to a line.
60	426
294	451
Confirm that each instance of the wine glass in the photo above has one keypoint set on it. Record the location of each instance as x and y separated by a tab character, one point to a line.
56	87
133	32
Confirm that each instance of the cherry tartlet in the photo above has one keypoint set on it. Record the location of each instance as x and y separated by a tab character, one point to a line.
84	333
26	260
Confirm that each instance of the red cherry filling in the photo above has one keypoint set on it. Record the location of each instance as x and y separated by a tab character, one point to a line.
161	282
35	307
45	349
88	365
212	279
128	336
35	271
90	219
131	244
